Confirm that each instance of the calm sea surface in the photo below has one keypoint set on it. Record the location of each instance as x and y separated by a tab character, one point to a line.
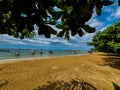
33	53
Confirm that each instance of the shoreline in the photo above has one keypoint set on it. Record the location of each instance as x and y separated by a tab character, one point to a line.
11	55
36	58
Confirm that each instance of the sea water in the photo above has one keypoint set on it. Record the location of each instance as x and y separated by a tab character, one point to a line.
34	53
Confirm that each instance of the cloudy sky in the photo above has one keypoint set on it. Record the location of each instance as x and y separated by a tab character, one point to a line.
109	15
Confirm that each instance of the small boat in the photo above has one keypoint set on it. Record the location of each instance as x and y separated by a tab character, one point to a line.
50	52
32	52
17	54
41	53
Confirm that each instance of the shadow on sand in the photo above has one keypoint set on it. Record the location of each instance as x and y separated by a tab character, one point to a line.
3	83
112	61
71	85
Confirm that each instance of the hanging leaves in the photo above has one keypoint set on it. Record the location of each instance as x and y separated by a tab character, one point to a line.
119	2
73	32
51	30
99	7
107	2
59	2
59	26
52	22
61	34
67	15
46	30
80	32
88	29
55	14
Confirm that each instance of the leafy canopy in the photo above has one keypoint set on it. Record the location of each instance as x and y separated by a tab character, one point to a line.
108	40
17	17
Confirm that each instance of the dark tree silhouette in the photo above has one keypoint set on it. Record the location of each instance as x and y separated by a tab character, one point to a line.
17	17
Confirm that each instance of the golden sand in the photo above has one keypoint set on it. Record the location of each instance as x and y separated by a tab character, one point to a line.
97	69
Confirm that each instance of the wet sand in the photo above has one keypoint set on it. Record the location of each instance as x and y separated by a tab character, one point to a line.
97	69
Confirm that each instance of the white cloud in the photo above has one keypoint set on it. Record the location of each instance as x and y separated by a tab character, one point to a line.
77	41
37	41
95	23
114	12
102	29
117	13
108	9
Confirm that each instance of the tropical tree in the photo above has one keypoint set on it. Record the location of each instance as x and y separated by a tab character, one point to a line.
107	40
18	17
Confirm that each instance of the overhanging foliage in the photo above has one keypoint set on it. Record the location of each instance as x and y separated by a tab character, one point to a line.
17	17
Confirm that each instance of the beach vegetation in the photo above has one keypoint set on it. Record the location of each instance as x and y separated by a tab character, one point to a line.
116	87
19	17
108	40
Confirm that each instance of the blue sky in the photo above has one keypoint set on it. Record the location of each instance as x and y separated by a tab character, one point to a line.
109	15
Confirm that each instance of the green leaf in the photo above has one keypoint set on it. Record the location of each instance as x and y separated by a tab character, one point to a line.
55	14
47	32
42	29
44	14
107	2
59	2
61	34
52	31
98	11
47	35
90	43
88	29
99	7
116	87
67	34
22	36
119	2
52	22
118	35
73	31
69	9
80	32
59	26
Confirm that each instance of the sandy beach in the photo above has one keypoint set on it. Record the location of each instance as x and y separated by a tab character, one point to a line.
97	69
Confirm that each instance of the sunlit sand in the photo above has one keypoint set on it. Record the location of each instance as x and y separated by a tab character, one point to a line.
97	69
